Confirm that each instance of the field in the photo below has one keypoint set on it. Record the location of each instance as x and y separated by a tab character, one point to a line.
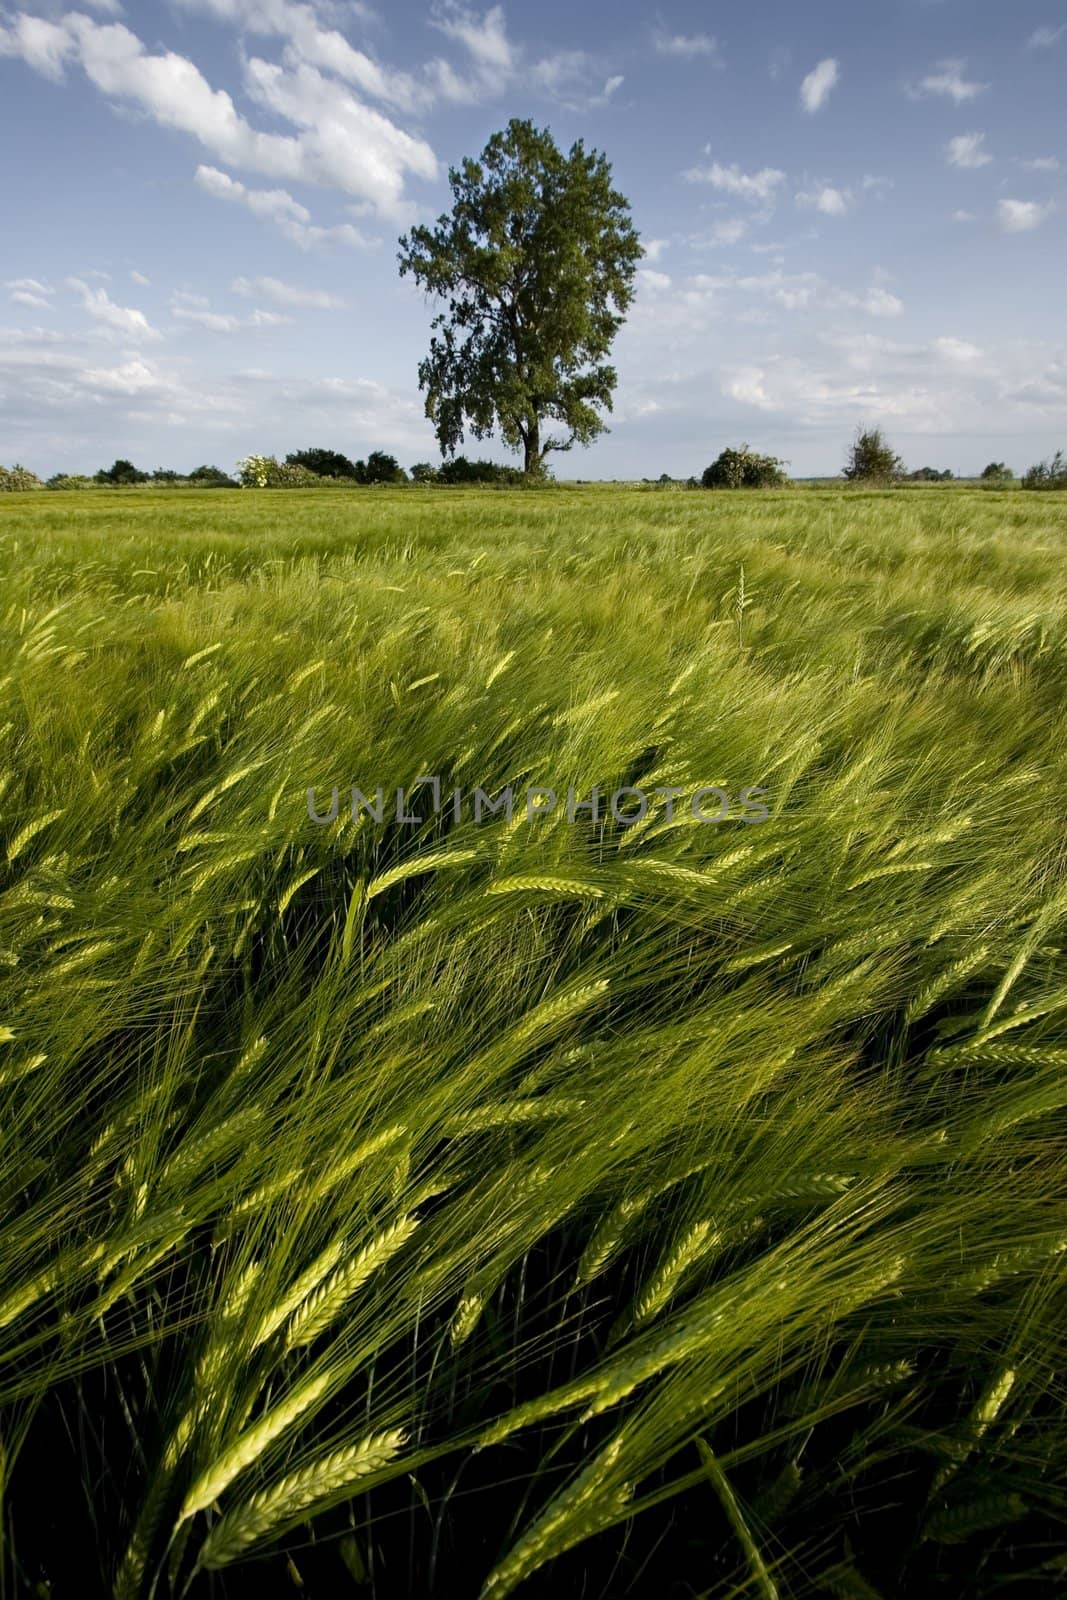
641	1204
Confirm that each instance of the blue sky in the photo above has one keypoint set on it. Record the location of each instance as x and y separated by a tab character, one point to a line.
852	214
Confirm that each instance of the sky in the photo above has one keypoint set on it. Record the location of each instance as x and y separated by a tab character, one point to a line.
851	215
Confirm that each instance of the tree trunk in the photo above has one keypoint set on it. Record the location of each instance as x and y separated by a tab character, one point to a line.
532	442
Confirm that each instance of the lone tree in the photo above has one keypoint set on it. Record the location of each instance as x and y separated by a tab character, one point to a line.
871	458
536	265
997	472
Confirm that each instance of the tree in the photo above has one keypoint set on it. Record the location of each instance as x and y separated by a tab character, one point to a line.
743	469
212	478
536	264
121	472
323	463
929	475
871	458
997	471
1048	474
423	472
380	468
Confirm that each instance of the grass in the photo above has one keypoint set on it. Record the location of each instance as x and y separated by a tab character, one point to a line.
458	1208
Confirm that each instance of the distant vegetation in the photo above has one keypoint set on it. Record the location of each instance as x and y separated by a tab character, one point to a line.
744	469
1048	474
871	461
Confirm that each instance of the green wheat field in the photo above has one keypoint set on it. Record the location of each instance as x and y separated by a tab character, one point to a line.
574	1209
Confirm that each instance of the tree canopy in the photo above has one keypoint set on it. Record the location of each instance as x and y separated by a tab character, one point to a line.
872	459
535	265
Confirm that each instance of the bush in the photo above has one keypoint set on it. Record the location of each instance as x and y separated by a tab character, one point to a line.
70	480
15	479
997	472
166	475
460	470
120	473
1048	474
325	464
267	472
423	472
929	475
871	458
743	469
211	478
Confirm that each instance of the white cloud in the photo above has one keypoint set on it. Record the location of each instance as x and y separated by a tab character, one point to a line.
948	80
274	204
756	186
1044	38
140	279
964	216
484	37
686	45
341	143
958	351
654	248
691	305
816	88
730	231
876	185
45	46
132	324
571	77
1041	164
285	294
220	322
279	207
965	150
30	292
653	280
1021	216
878	302
307	40
825	198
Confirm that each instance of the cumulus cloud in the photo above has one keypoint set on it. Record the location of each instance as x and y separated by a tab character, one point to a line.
308	40
755	186
116	319
45	46
965	150
1041	164
826	199
1021	216
286	294
654	248
653	280
816	88
948	80
341	143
